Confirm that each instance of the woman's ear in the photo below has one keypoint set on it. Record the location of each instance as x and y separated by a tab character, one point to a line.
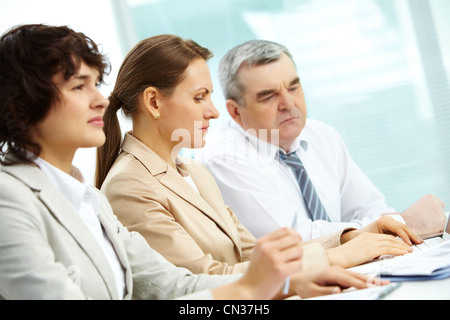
150	98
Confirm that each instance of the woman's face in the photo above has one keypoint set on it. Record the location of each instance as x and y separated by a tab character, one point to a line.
185	114
76	119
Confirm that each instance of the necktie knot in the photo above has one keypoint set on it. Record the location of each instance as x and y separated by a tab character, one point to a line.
291	159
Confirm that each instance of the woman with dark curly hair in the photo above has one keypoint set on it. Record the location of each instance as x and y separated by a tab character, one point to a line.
30	58
59	238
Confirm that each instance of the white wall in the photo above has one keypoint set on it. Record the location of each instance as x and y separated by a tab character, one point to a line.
95	18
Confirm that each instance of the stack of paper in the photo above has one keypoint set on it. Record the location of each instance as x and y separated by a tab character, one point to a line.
427	265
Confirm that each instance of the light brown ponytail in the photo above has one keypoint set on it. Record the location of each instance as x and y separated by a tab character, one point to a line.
107	154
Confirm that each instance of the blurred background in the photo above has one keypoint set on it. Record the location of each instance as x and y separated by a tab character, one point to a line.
376	70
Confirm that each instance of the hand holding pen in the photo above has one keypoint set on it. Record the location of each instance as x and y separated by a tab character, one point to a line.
276	256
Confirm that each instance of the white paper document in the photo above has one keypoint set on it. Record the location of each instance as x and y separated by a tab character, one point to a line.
374	293
425	263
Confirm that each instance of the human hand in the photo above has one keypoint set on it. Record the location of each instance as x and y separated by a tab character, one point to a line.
426	216
276	256
330	281
366	246
385	225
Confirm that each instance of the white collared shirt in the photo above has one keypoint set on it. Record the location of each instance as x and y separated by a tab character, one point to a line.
187	177
264	194
85	202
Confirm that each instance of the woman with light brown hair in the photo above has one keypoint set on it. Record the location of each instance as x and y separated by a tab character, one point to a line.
164	87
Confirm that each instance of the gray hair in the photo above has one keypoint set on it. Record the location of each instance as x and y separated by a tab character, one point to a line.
250	53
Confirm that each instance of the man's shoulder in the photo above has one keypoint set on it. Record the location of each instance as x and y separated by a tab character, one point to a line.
225	131
320	132
220	142
313	125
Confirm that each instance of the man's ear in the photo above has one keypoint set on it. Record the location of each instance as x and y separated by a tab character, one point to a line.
150	98
234	109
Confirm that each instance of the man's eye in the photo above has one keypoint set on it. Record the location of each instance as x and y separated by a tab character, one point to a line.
268	98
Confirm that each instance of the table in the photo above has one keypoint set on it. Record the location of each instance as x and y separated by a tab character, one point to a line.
422	290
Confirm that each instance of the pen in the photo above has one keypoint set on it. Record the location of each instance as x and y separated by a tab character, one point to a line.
288	279
388	289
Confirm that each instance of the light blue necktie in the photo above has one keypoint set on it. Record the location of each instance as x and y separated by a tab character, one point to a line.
315	207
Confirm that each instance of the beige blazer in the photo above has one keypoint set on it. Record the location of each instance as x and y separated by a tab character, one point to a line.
191	229
47	252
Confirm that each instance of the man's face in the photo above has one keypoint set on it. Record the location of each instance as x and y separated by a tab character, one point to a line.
274	100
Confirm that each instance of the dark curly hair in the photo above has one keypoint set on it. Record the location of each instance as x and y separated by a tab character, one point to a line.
30	56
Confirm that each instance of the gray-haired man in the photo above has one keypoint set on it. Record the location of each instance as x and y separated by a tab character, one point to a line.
272	163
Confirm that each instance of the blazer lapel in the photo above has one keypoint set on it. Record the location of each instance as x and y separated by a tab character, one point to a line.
66	215
111	230
171	179
211	195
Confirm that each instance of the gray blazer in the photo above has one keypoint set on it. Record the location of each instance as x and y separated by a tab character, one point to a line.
46	251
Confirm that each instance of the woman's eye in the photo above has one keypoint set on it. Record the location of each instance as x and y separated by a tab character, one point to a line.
198	99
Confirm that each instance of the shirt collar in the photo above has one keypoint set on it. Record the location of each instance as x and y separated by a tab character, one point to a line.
72	186
268	150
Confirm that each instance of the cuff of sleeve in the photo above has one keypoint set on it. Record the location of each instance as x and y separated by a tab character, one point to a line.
331	240
397	217
314	257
